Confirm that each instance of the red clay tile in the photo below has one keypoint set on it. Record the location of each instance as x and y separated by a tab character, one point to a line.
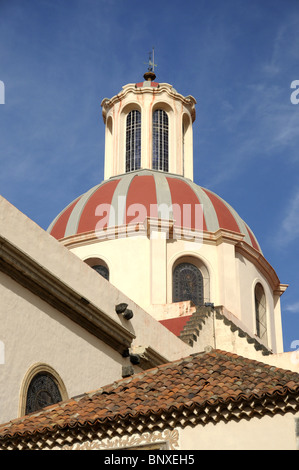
205	378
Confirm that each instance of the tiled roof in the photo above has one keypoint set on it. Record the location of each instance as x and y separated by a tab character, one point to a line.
155	191
213	385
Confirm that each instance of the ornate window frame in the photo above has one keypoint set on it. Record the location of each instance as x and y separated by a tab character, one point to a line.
34	370
200	263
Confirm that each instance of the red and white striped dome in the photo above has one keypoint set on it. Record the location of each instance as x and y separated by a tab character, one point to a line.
151	190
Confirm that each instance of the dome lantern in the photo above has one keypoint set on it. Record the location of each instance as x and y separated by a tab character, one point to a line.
149	126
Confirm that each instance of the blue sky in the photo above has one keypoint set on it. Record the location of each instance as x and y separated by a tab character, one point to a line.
238	58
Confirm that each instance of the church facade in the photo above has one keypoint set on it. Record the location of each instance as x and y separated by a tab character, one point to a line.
147	313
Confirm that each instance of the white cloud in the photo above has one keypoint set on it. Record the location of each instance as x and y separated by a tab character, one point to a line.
285	45
260	123
258	117
294	308
289	231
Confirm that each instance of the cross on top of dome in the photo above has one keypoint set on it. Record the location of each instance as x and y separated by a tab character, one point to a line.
150	74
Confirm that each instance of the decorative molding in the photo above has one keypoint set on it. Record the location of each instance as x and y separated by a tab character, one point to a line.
214	238
167	439
227	236
149	358
262	265
145	228
32	372
188	101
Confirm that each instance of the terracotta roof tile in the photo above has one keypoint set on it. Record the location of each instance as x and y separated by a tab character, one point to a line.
200	380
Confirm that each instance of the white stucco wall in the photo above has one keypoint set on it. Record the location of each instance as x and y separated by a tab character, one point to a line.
144	273
249	276
266	433
34	332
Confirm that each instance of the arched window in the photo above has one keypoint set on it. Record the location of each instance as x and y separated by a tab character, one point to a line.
102	270
133	140
186	139
188	284
260	312
42	391
160	140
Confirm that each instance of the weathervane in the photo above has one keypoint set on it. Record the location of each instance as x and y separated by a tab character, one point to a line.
150	75
151	61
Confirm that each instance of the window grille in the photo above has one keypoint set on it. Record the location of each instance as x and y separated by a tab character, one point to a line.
102	270
133	141
42	391
188	284
160	140
260	312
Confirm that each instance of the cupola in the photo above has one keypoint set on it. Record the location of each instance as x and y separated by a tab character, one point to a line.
149	126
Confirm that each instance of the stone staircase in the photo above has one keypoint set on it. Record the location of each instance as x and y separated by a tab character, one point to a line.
194	326
206	317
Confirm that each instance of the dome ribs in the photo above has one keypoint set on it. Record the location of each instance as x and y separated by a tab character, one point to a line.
91	213
183	195
225	217
153	194
141	199
59	227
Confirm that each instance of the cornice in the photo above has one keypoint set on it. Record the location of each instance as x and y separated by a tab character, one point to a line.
263	265
227	236
34	277
214	238
148	357
189	100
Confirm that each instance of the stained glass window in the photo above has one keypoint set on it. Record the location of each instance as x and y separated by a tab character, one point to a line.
188	284
102	270
160	140
260	312
133	141
42	391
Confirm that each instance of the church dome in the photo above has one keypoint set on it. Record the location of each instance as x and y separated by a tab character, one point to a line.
117	201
